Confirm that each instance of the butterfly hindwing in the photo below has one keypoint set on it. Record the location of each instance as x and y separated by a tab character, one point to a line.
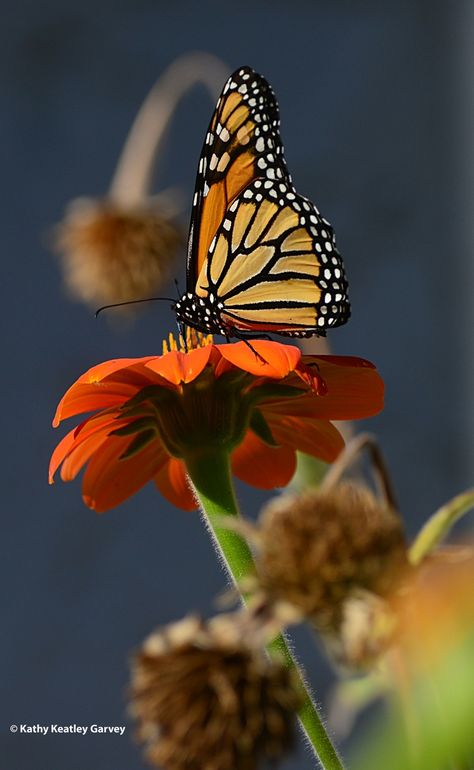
274	265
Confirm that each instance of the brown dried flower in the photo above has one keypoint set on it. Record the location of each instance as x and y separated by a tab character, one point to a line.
322	547
206	701
112	253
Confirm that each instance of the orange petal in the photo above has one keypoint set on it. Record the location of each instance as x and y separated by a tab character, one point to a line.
108	481
81	454
61	451
102	423
263	466
107	384
101	371
177	367
83	397
353	392
220	364
278	360
173	484
88	438
319	438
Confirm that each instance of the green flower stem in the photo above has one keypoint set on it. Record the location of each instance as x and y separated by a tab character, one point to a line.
210	474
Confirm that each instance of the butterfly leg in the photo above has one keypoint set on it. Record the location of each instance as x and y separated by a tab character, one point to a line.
245	339
255	352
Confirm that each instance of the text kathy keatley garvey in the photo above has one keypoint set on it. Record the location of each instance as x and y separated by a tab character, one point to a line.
56	729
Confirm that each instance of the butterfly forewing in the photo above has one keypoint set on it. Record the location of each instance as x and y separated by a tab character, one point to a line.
242	133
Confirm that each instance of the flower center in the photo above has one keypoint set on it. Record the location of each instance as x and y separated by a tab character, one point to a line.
192	340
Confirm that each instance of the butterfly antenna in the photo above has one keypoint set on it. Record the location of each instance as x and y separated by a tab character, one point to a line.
134	302
177	287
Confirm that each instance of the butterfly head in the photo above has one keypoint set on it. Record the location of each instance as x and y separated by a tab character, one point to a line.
201	313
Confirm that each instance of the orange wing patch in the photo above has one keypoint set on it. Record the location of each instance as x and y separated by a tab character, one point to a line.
213	210
241	131
240	170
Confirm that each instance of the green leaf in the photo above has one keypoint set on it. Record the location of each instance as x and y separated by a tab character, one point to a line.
438	526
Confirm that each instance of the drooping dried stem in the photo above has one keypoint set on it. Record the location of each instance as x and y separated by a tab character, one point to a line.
132	178
354	448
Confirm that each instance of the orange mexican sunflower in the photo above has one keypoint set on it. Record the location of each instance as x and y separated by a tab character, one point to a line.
153	415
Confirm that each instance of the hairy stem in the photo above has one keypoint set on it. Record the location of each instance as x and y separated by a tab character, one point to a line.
212	481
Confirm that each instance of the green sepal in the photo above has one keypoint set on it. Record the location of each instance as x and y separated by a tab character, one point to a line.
155	393
438	526
137	426
262	392
260	427
234	377
138	443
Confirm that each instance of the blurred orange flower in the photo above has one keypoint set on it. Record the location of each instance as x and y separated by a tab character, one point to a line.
261	402
435	611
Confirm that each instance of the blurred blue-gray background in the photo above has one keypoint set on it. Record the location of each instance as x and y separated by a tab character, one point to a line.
375	100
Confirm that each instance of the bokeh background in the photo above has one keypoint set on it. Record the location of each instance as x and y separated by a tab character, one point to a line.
376	102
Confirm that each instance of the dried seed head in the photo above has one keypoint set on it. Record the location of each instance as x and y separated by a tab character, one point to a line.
321	547
114	254
366	630
204	701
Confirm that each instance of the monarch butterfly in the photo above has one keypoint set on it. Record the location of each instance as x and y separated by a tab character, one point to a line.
260	256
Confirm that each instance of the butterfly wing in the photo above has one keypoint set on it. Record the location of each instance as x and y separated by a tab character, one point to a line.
242	132
259	250
274	266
